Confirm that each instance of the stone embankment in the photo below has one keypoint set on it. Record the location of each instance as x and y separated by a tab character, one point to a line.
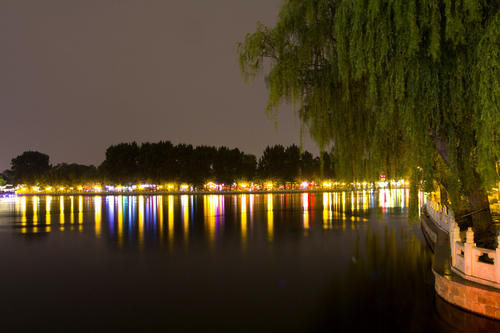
465	275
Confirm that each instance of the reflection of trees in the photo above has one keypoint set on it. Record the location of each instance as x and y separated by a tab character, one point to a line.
388	286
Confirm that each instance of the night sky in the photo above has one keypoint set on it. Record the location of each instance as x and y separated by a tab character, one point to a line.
78	76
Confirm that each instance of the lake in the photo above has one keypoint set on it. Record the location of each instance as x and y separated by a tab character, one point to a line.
301	262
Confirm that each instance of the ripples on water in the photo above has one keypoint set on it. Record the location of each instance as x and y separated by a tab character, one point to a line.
169	219
300	262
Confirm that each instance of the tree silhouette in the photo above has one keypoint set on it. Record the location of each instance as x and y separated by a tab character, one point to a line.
29	167
393	86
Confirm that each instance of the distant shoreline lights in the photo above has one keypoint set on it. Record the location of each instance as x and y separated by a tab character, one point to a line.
267	186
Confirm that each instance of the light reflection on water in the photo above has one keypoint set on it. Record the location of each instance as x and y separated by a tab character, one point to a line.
149	220
270	217
303	262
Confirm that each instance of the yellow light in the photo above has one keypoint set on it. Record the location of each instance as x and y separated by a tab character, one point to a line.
21	189
184	187
120	221
47	209
244	185
327	210
98	188
80	210
185	216
48	188
72	216
210	209
141	221
61	188
160	217
170	186
269	185
36	188
243	221
171	220
23	209
97	212
80	188
61	210
327	184
305	209
270	217
36	201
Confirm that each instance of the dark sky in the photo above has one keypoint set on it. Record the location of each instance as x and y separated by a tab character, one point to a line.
79	75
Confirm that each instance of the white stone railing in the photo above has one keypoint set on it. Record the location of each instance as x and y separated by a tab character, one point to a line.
465	258
465	255
440	214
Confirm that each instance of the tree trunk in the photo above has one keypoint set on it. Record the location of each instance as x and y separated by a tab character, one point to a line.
498	192
482	223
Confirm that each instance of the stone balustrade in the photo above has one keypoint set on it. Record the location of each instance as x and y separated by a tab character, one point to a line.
472	262
475	282
440	214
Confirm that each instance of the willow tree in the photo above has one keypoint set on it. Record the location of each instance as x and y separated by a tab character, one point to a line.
405	87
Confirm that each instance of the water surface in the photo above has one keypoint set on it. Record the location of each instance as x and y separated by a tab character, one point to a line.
294	262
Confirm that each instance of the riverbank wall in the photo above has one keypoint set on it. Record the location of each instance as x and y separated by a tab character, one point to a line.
480	297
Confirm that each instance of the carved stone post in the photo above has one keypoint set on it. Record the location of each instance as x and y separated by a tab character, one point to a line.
452	219
450	233
468	246
454	238
497	260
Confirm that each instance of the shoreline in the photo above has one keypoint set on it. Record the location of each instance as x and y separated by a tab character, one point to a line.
149	193
468	295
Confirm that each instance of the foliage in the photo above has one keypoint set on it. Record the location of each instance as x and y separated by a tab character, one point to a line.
376	78
165	162
288	164
72	174
130	163
390	84
29	167
121	162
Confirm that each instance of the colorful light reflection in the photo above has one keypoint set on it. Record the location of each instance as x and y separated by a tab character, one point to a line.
140	219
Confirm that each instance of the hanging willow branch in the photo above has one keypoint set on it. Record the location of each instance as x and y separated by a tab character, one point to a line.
378	79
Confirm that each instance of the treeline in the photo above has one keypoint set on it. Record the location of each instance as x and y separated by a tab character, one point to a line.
162	162
165	162
32	167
